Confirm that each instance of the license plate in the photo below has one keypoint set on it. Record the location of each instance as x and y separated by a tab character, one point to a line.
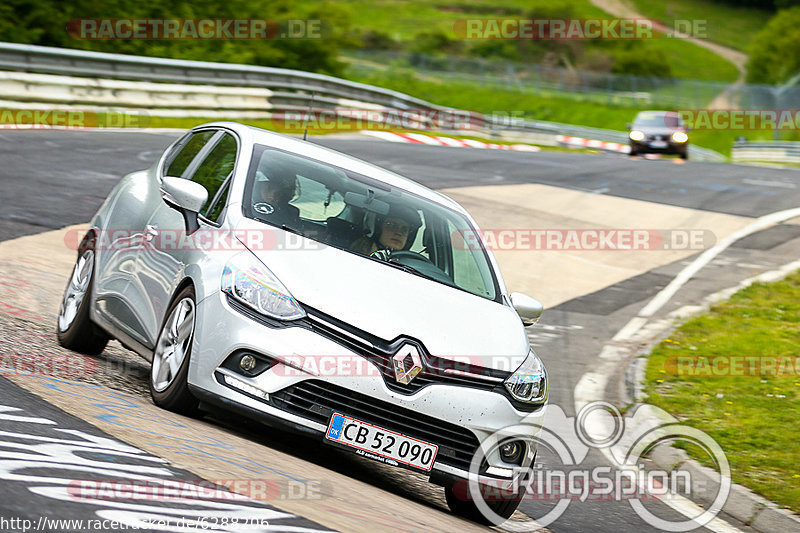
658	144
377	443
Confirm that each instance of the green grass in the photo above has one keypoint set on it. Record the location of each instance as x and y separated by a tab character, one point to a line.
494	99
733	26
690	61
591	112
403	19
752	417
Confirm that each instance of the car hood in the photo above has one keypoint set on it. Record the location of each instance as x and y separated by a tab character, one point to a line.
388	302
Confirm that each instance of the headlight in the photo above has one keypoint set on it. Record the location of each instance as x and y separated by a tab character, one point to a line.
636	135
529	383
246	279
680	137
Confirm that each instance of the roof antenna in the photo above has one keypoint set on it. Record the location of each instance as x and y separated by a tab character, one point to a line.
310	104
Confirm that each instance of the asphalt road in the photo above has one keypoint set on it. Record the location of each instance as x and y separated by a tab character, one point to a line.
56	178
46	450
51	179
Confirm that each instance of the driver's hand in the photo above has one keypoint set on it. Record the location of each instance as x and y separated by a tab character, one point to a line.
383	255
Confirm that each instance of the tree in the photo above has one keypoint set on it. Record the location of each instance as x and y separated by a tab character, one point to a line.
775	50
45	22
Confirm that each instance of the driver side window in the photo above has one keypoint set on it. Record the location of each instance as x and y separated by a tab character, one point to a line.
214	174
185	155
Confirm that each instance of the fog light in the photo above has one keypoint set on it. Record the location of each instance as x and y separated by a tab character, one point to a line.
247	362
511	451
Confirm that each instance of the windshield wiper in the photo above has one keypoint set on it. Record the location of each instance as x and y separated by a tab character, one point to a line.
284	227
411	270
290	229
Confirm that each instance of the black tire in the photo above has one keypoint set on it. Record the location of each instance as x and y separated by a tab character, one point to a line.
81	334
462	505
176	397
685	156
633	153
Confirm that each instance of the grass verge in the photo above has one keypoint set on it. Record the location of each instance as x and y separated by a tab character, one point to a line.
752	417
733	26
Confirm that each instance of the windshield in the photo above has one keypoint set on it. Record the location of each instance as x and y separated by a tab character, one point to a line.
368	217
656	120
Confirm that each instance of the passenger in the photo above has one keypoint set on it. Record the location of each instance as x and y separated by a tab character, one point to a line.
271	197
394	231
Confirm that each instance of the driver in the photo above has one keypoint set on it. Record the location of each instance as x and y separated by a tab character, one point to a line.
394	231
271	196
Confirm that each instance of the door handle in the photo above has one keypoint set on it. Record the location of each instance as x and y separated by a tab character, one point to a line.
150	231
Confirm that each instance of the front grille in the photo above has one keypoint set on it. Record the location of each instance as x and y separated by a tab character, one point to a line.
317	400
380	353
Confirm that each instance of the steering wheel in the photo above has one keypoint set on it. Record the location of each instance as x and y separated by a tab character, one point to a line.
400	254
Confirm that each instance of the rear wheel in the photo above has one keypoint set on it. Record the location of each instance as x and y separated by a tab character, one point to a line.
461	503
169	371
75	329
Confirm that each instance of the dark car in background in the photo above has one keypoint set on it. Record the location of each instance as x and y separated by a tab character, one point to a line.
658	132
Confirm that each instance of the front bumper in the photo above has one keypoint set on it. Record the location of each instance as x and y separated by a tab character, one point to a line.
645	147
455	417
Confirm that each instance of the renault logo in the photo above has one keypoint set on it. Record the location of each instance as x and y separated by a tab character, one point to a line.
407	364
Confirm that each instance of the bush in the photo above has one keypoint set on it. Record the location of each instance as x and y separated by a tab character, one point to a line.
642	61
436	41
377	40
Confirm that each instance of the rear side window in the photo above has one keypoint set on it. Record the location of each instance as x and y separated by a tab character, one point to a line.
186	154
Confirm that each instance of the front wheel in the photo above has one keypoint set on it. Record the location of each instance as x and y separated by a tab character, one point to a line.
461	503
169	371
75	329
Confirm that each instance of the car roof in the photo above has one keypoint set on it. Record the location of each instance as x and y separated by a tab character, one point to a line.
656	113
327	155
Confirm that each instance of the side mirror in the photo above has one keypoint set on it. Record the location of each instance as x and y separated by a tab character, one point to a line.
529	309
186	196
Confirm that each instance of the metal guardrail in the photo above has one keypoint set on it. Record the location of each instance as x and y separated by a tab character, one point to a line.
42	59
284	89
770	151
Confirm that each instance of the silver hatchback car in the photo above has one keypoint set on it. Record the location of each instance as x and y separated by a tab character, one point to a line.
318	293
